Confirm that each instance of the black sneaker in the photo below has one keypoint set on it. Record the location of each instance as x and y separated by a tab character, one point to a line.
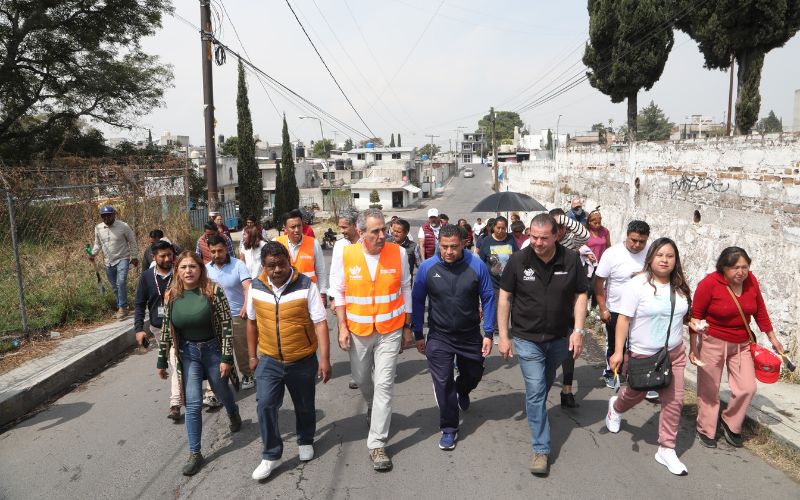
236	421
733	439
568	400
706	441
193	464
463	401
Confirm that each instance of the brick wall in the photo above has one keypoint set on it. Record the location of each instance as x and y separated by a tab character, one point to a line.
746	191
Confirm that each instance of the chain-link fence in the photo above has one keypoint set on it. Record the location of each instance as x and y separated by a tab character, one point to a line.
48	217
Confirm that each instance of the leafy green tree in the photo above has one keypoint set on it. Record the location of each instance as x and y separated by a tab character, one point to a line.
601	129
375	199
65	59
628	48
230	147
291	194
505	121
399	141
391	143
770	124
652	124
348	144
251	187
198	187
429	150
323	148
745	30
279	208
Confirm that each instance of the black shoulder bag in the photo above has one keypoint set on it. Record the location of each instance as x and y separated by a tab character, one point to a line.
653	372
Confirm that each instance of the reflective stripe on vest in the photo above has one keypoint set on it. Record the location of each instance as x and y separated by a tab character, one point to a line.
373	305
304	260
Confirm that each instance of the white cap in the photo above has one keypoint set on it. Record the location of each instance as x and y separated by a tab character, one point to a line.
433	212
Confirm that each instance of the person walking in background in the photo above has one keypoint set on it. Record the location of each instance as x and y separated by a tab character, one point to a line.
118	244
197	319
428	236
250	250
477	227
216	218
543	288
155	236
304	251
470	238
654	307
485	232
576	211
618	264
201	249
456	285
518	232
720	336
150	299
399	230
283	307
234	278
251	221
496	249
371	285
599	236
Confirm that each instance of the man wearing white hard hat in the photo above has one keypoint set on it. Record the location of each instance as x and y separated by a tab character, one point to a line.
428	236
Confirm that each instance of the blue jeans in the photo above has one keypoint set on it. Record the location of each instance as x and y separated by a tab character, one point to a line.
199	360
272	376
118	277
539	362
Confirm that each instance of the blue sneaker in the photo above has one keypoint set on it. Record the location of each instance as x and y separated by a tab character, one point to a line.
463	402
448	441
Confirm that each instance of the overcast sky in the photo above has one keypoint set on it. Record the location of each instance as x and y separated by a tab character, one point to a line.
412	69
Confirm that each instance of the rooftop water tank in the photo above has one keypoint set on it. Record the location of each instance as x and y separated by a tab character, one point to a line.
370	145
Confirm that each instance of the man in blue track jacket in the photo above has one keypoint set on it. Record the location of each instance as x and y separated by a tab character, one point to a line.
456	284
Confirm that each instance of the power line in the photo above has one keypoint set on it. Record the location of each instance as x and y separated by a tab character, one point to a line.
279	87
328	69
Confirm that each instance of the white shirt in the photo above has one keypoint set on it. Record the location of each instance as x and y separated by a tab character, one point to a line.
117	242
315	308
338	248
319	262
649	310
337	291
252	258
617	266
476	228
421	232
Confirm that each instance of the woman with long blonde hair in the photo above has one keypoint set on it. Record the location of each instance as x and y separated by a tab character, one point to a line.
197	319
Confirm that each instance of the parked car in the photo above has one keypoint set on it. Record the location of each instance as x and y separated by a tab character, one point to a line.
468	172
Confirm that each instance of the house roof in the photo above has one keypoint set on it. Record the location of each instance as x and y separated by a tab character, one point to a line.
379	183
382	150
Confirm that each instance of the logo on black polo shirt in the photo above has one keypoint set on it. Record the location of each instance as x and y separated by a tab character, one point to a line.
528	275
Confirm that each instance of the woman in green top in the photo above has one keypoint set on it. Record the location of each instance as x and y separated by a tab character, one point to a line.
198	318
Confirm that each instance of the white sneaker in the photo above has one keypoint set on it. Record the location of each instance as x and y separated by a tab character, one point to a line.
613	418
651	395
306	452
211	401
248	383
264	469
668	458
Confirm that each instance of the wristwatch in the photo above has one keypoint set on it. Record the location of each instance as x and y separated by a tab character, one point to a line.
582	331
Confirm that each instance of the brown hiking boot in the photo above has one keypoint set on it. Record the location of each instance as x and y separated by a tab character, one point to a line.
380	460
174	413
540	464
193	464
122	312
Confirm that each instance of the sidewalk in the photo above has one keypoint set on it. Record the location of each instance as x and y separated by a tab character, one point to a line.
23	389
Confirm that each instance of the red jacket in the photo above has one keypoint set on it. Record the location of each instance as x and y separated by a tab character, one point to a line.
713	303
308	231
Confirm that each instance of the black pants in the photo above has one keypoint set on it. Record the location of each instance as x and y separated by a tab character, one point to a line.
611	328
568	369
441	351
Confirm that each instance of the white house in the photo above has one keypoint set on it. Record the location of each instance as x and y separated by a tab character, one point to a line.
393	194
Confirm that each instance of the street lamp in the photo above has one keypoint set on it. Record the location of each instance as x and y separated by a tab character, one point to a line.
322	134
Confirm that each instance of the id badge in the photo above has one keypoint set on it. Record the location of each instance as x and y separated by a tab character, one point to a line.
160	311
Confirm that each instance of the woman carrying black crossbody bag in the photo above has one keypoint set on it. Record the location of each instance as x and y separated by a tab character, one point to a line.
655	303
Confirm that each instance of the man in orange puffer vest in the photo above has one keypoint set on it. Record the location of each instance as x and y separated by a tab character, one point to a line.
305	253
371	287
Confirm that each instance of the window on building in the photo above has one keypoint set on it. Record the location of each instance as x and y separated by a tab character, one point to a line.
468	158
356	195
378	156
395	156
356	175
360	156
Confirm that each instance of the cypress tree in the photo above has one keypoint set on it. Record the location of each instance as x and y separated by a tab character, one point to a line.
399	142
291	195
279	208
391	143
251	195
629	42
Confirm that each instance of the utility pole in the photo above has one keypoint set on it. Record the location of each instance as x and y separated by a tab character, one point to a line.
728	130
206	38
458	133
495	184
431	178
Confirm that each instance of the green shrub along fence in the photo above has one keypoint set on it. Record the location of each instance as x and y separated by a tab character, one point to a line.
47	217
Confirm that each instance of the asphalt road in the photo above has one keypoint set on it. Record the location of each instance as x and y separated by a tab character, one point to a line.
109	438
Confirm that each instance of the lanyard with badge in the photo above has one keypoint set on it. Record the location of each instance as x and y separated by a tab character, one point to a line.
160	295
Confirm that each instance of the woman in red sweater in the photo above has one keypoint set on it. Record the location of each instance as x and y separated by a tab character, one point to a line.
724	340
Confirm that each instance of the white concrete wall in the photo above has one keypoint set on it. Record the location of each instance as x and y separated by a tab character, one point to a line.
747	192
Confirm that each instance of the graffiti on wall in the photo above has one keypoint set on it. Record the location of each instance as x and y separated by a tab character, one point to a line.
692	183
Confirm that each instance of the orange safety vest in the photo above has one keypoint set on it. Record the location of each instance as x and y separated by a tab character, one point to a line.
303	262
373	305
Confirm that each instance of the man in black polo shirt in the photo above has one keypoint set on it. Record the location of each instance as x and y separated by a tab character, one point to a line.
548	286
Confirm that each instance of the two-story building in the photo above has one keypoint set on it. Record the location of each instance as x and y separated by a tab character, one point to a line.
473	147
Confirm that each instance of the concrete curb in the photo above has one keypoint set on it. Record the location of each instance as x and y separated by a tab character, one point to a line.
25	388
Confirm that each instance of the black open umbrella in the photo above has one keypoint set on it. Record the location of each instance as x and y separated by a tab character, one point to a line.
508	201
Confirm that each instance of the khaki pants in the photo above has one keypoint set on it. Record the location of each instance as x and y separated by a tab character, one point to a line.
174	386
373	362
240	353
